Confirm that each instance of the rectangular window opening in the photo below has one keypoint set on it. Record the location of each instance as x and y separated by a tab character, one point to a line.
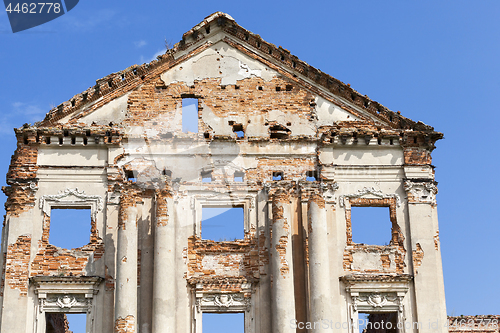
222	223
190	115
131	175
69	227
371	225
223	322
278	175
239	176
238	130
65	322
383	322
312	176
206	176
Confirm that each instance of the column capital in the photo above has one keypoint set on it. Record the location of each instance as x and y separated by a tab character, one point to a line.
421	191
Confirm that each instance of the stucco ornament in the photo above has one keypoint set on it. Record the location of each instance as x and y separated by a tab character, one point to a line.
66	301
369	191
421	192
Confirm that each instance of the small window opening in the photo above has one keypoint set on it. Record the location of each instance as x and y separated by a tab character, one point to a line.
258	45
236	87
279	132
391	141
238	129
87	132
294	64
73	102
66	133
223	87
247	37
123	77
371	225
278	175
239	176
206	176
206	135
47	140
385	322
282	57
25	140
73	140
96	140
270	51
60	141
278	88
379	141
260	88
222	223
207	29
85	141
312	176
110	83
69	227
414	139
190	115
84	96
131	175
167	173
289	87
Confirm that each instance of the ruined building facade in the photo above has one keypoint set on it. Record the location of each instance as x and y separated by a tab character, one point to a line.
292	147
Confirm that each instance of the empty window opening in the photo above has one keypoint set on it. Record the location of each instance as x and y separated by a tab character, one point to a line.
312	176
73	140
238	130
222	223
206	135
190	115
207	29
56	322
60	141
278	88
260	88
77	322
289	87
25	140
278	175
47	140
85	141
236	87
223	87
279	132
69	228
239	176
386	322
206	176
223	322
371	225
131	175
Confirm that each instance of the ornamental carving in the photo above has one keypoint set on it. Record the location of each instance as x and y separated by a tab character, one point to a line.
369	191
66	301
421	192
71	197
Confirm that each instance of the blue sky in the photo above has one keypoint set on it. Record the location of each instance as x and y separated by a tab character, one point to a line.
435	61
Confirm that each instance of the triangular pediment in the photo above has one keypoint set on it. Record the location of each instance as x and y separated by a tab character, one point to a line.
219	49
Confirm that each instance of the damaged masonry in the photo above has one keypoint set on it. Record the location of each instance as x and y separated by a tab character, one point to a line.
221	120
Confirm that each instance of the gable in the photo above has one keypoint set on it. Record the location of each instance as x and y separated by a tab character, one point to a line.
218	52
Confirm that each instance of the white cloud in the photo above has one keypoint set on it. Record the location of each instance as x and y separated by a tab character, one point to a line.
140	43
19	114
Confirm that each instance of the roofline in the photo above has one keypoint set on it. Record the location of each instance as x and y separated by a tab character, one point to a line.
133	76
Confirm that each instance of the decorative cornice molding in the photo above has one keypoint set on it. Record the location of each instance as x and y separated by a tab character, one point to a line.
47	201
369	191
